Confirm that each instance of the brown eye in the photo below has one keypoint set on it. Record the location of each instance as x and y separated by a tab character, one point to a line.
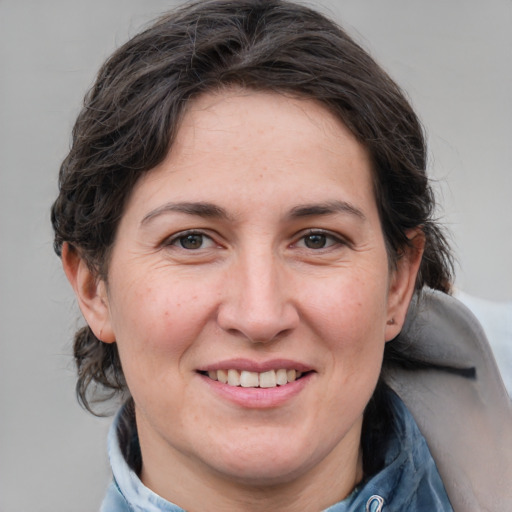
318	240
192	241
315	241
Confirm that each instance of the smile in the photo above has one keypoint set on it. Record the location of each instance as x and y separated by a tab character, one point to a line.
248	379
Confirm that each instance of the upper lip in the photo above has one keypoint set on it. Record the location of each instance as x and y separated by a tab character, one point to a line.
256	366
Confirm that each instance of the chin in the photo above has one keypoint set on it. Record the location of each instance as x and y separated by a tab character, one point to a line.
269	462
262	472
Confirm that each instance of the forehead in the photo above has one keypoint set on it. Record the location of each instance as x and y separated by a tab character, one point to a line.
275	121
259	145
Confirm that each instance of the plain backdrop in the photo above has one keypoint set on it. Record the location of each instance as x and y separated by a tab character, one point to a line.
454	60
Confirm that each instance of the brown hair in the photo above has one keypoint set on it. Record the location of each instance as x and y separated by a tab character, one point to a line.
132	113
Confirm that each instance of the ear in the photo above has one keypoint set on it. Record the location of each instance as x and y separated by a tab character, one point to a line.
402	282
91	293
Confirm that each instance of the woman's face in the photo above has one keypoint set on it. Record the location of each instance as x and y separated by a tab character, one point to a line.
253	253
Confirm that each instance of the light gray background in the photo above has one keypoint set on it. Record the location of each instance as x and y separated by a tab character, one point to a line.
454	59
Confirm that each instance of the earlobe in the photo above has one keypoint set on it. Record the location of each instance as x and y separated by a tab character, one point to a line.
91	293
403	281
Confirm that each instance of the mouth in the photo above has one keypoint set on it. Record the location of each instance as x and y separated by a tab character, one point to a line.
248	379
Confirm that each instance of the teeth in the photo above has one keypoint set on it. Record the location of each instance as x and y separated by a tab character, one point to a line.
222	376
233	378
281	377
246	379
291	375
268	379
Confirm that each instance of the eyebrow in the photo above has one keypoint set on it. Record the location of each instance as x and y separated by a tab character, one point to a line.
212	211
328	208
200	209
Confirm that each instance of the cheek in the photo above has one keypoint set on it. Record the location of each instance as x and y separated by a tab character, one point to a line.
355	341
350	306
157	331
349	317
156	324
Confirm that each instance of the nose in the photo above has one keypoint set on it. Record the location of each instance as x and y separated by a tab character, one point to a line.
257	300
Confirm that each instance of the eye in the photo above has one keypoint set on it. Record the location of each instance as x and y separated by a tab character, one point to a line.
191	241
315	241
318	240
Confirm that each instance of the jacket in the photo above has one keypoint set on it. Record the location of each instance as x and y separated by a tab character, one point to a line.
467	423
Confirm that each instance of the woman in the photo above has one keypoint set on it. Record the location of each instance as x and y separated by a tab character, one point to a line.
244	216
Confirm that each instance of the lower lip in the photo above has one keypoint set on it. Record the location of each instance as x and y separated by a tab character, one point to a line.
258	398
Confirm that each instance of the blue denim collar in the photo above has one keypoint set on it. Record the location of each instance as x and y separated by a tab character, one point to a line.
409	481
